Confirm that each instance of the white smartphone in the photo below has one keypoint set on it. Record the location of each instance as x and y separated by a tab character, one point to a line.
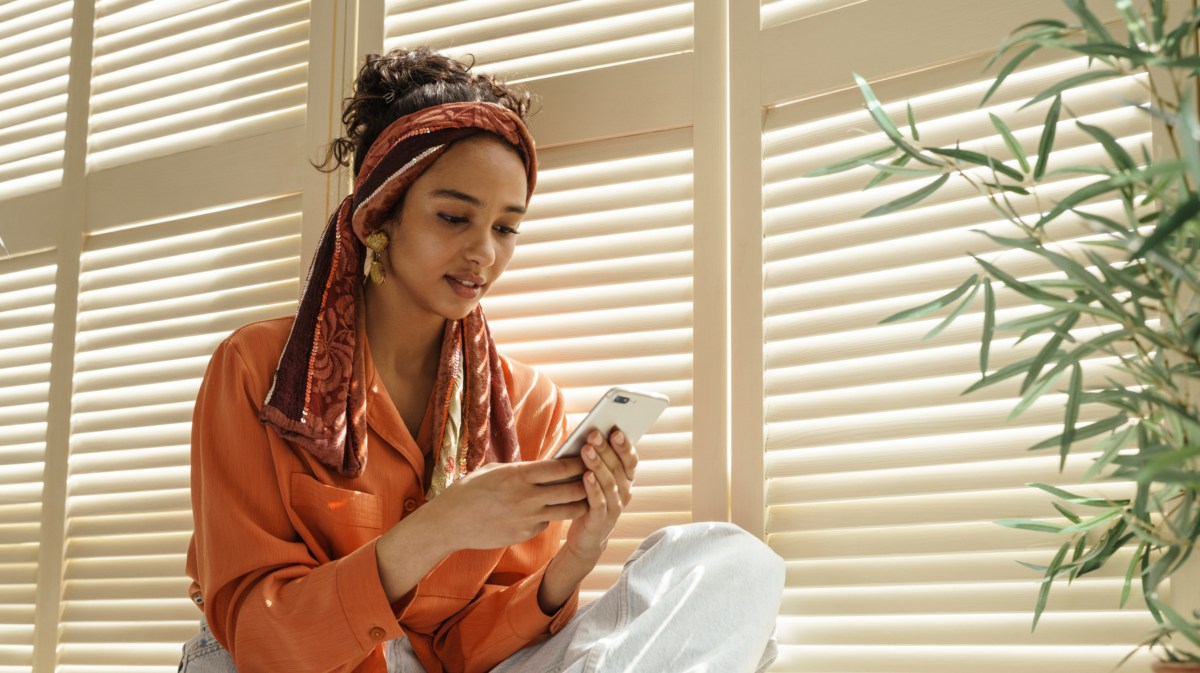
631	410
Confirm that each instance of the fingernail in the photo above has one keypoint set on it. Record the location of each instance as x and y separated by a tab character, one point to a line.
619	437
595	438
591	453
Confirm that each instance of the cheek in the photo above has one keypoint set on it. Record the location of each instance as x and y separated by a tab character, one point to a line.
504	254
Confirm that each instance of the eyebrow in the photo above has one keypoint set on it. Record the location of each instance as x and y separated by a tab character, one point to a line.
461	196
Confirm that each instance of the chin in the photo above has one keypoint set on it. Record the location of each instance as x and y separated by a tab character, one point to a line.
458	313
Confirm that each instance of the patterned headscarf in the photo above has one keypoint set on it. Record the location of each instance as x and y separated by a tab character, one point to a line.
317	400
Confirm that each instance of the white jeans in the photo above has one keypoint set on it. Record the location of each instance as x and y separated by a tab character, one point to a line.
697	598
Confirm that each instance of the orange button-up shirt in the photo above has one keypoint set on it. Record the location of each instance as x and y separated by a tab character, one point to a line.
283	554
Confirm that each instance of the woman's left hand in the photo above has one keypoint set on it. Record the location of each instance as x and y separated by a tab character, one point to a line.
608	482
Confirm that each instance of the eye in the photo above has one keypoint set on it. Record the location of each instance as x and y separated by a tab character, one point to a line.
505	231
453	219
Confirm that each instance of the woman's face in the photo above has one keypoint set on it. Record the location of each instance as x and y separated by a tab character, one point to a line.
457	229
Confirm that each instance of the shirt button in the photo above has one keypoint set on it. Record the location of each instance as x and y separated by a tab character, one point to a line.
410	504
197	598
378	633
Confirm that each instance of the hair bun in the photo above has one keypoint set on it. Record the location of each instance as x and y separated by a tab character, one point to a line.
403	81
400	72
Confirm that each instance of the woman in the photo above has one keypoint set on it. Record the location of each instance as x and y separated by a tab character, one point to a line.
443	554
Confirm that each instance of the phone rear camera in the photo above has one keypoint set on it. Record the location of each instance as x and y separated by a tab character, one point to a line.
620	399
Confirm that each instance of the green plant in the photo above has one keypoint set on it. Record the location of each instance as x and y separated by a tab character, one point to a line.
1128	292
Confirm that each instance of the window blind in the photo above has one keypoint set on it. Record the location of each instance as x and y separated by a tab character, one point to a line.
883	483
155	300
26	327
34	55
169	77
779	12
528	39
599	294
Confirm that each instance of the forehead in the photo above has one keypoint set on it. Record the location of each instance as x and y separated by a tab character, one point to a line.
482	165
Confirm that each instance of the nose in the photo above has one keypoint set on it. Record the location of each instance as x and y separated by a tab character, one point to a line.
480	248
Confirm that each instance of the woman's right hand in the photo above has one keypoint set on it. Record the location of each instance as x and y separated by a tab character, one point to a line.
502	504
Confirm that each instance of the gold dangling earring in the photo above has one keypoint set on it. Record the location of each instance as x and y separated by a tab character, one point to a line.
377	242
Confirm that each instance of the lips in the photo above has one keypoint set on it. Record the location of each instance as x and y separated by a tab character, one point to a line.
467	279
465	288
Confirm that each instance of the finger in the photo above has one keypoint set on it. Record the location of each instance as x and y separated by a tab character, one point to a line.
607	453
551	470
607	482
596	500
625	452
612	478
557	494
566	512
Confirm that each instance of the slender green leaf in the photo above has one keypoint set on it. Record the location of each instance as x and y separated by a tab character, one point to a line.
1122	277
1176	620
1129	572
1074	393
1046	144
1091	430
989	324
875	108
1077	197
1057	88
1181	63
882	175
1024	288
1030	525
1007	188
1035	391
1010	140
1071	171
1189	135
1076	271
997	376
1084	307
1071	516
1007	70
896	168
967	301
1158	12
850	164
1174	40
1109	449
934	305
912	123
1089	20
1104	51
1186	212
1117	153
906	201
1158	469
1044	589
1027	243
1075	498
1039	322
977	158
1092	523
1049	350
1053	23
1077	552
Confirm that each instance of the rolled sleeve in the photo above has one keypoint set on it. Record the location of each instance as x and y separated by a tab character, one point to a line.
525	616
368	614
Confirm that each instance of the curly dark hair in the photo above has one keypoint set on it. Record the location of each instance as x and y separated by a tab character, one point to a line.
404	81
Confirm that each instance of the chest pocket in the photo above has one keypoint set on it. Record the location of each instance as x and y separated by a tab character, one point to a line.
336	520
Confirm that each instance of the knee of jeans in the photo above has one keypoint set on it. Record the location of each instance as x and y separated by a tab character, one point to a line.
745	554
